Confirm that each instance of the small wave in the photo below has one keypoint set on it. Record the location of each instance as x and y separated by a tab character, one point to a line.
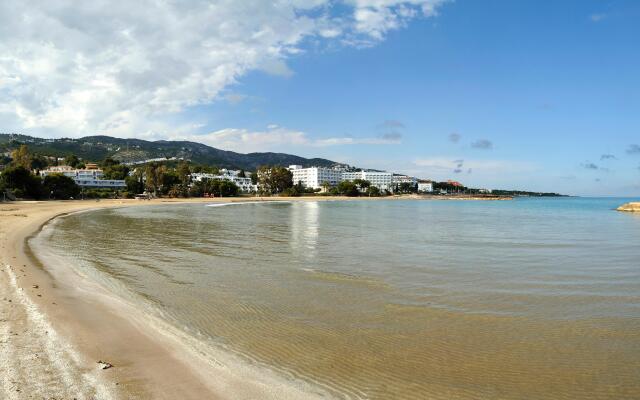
247	202
345	277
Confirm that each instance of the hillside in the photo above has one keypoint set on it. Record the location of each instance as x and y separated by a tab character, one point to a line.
97	148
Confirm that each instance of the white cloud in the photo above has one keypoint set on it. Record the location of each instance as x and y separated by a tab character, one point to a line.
376	17
274	137
119	67
438	165
235	98
351	140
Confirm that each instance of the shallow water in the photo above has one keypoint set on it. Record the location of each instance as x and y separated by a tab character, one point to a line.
534	298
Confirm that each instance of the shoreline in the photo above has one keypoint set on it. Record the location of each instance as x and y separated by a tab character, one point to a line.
59	325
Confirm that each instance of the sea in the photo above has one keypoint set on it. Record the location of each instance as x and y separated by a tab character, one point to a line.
535	298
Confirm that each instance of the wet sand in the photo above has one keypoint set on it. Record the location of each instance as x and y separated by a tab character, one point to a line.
56	326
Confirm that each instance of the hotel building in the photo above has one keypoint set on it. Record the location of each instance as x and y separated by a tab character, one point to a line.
315	177
90	177
425	186
381	180
244	184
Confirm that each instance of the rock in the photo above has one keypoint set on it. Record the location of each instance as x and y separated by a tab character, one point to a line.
35	286
104	364
630	207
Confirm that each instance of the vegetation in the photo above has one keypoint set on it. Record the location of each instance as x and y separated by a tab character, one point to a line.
274	180
112	169
21	182
60	187
214	187
167	178
96	148
406	188
348	188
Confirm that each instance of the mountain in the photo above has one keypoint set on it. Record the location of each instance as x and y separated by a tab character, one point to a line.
97	148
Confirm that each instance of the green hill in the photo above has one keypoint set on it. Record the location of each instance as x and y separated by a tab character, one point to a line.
97	148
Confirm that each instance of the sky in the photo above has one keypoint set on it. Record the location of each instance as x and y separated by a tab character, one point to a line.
529	94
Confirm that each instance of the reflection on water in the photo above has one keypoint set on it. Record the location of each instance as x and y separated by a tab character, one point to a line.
536	299
304	222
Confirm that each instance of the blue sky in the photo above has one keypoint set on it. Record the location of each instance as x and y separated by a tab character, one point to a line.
537	95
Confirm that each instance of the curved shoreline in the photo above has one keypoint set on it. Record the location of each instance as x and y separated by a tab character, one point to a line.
99	327
43	303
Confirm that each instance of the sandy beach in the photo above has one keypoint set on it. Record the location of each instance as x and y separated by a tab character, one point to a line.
57	326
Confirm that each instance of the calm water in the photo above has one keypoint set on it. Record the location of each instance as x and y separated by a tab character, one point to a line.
534	298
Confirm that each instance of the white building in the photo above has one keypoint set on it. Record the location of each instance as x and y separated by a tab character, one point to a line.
381	180
244	184
425	187
315	177
397	180
85	177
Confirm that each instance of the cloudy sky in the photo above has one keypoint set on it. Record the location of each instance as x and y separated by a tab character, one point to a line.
539	95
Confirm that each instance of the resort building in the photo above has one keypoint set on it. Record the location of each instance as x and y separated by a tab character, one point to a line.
398	180
381	180
87	177
244	184
315	177
425	186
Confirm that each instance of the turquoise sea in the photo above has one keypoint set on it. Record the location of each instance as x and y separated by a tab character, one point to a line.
535	298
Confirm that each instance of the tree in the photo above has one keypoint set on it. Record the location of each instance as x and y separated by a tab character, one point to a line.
109	162
135	182
294	191
178	191
154	174
215	187
373	191
116	171
274	180
60	187
4	160
254	177
168	179
348	188
21	157
71	160
326	185
362	184
226	188
242	174
22	182
184	173
407	187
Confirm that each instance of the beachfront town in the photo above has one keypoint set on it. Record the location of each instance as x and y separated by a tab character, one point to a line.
27	175
318	179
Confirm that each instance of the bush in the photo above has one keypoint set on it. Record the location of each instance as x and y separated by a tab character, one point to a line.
348	188
60	187
99	194
21	182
